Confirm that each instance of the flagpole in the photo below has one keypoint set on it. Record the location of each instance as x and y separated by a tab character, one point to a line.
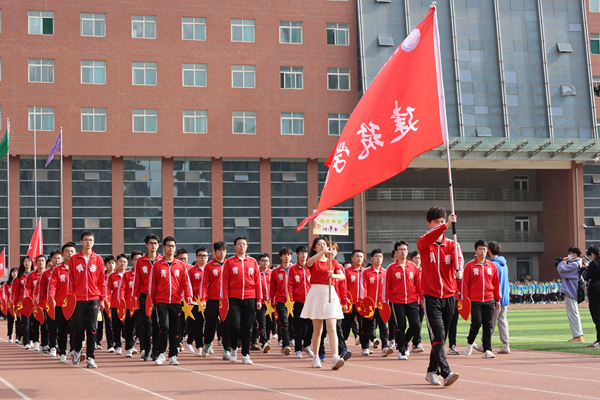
8	187
61	188
35	159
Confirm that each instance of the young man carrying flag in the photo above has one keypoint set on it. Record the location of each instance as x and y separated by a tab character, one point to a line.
55	259
32	282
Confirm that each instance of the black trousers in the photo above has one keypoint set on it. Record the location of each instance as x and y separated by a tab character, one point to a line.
594	304
367	327
183	327
107	324
195	328
25	327
241	315
392	324
402	312
85	320
117	327
482	313
416	339
303	328
259	330
439	314
62	329
453	327
10	323
284	324
144	325
128	328
168	326
50	329
38	330
349	323
211	313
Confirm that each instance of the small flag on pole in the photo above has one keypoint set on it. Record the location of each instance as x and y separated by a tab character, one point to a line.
55	149
36	246
4	144
2	262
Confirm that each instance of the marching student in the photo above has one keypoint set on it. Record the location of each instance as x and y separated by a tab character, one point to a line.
167	284
196	277
32	282
374	279
110	262
49	323
438	283
317	306
298	288
265	322
18	293
279	294
7	295
415	258
212	292
355	287
481	285
126	293
87	283
242	286
184	331
402	289
494	249
113	284
146	324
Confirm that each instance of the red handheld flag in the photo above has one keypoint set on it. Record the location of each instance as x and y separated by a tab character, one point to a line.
36	246
401	116
2	262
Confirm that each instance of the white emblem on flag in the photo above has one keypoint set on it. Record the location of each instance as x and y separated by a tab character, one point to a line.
63	278
372	279
235	270
353	278
402	125
215	272
163	273
197	275
398	275
79	268
338	163
370	138
475	271
412	41
145	269
176	272
297	277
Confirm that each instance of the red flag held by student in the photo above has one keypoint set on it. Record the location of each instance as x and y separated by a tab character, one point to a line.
36	246
401	116
2	262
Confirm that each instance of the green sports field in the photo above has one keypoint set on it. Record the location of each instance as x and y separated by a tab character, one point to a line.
541	329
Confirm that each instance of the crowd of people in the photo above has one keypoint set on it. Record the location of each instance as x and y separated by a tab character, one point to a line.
531	291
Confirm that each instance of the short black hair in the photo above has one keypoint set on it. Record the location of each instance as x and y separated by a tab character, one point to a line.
181	251
169	239
55	252
109	258
136	253
239	238
575	250
302	249
41	256
263	255
219	245
435	213
593	249
494	247
480	242
199	249
122	255
356	251
400	243
86	233
376	251
285	250
413	254
151	236
68	244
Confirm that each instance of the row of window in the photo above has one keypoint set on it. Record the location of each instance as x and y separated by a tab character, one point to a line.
144	27
41	70
194	121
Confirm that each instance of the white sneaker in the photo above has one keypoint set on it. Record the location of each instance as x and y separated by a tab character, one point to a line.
210	350
451	378
247	360
365	352
308	351
292	342
129	353
226	355
111	350
173	360
190	348
478	347
98	347
376	343
142	353
402	356
10	340
506	348
392	344
233	356
91	363
199	352
298	354
356	340
28	346
418	348
52	352
36	346
62	359
266	348
134	350
488	354
432	378
386	351
76	355
160	359
338	362
468	349
316	363
287	351
119	350
407	352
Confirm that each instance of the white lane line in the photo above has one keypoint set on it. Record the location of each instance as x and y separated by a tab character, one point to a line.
14	389
521	338
242	383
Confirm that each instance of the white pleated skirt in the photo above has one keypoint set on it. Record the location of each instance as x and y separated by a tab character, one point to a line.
317	305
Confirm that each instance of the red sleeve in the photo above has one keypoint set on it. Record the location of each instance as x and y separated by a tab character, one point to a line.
290	283
226	279
152	285
136	281
418	284
28	286
273	287
102	279
187	286
343	292
205	283
257	279
466	280
461	259
388	286
430	237
337	267
71	287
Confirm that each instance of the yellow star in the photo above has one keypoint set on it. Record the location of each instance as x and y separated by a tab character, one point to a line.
187	310
200	306
290	306
270	309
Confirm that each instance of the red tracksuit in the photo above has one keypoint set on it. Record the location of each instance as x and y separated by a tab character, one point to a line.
481	283
143	270
169	282
265	279
279	284
112	288
126	288
241	278
196	278
298	283
87	282
30	284
402	285
59	284
355	283
42	293
374	284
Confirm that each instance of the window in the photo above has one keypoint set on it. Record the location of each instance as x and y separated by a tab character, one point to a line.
144	73
242	30
290	32
41	70
93	24
43	117
521	182
595	5
337	122
144	120
41	22
93	119
595	43
143	26
338	78
338	34
194	121
193	28
523	268
194	75
292	123
521	223
93	72
290	77
244	121
243	76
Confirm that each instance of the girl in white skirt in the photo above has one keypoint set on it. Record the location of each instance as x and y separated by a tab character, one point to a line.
317	306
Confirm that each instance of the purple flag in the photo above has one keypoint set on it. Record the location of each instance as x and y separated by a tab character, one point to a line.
55	149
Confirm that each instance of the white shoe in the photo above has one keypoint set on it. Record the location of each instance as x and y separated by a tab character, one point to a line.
386	351
370	351
418	348
142	353
292	342
10	340
488	354
287	351
274	336
247	360
36	346
199	353
111	350
356	340
376	343
134	350
393	344
160	359
266	348
338	362
210	350
506	348
316	363
98	347
309	351
298	354
468	349
28	346
52	352
402	356
233	356
119	351
62	359
451	378
190	348
129	353
365	352
432	378
76	355
173	360
478	347
91	363
407	352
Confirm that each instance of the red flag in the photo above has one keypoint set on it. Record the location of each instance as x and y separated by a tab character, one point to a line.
36	246
2	262
401	116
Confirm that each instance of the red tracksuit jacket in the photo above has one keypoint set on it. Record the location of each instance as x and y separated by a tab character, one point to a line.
374	284
112	288
196	279
31	283
18	289
438	264
59	284
169	282
126	288
402	285
143	270
279	284
265	282
213	281
355	283
241	278
42	294
299	283
481	283
87	282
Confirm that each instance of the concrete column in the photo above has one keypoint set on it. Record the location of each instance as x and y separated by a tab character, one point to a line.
168	202
360	240
67	227
118	234
266	227
216	185
312	191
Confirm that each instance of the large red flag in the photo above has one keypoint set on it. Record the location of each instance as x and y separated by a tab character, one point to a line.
36	246
2	262
399	117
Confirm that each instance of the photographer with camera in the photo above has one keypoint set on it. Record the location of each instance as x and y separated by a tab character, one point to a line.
592	275
568	270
